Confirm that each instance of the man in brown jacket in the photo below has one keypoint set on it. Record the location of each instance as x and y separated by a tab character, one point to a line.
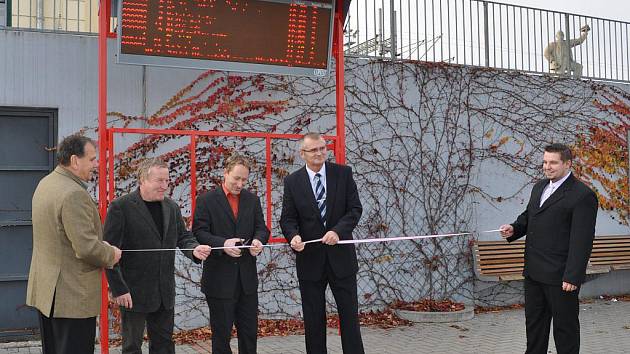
68	252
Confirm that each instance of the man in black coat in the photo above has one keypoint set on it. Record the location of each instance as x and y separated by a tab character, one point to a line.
225	217
143	283
559	222
321	201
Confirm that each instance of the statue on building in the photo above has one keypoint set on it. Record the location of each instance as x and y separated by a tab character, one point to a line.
559	55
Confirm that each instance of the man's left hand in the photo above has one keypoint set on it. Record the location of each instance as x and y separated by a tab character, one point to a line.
256	248
202	252
568	287
330	238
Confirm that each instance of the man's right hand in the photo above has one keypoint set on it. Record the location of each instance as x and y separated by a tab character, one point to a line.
117	253
231	242
297	244
124	300
506	230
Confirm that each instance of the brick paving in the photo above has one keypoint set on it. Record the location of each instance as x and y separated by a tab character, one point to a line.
605	327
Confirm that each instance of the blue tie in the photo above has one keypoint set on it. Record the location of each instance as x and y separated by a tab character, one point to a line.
320	196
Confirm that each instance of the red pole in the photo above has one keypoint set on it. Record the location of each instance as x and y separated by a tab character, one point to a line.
340	142
193	174
340	88
110	165
268	180
103	28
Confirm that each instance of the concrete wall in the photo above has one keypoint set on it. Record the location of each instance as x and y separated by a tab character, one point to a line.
3	13
404	121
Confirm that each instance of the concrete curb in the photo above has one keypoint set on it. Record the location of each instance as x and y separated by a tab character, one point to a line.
427	317
15	345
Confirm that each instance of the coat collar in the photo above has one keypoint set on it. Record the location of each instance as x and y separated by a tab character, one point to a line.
564	188
65	172
223	202
144	211
331	190
225	205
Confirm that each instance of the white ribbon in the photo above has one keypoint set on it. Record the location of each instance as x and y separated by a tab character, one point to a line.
340	242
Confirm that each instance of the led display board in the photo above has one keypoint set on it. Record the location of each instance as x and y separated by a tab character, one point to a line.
260	36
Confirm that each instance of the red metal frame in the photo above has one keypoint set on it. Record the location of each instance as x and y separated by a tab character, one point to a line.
340	85
106	137
194	134
103	29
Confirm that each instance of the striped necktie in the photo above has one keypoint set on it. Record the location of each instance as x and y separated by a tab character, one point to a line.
320	196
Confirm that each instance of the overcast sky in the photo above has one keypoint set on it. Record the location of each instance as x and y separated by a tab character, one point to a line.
609	9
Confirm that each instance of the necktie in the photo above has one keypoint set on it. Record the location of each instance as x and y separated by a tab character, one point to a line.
546	194
320	196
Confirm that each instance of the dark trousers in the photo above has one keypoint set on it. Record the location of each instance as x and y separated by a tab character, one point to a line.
543	303
67	335
314	309
159	329
241	311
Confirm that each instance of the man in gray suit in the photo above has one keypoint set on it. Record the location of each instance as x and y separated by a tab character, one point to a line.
143	284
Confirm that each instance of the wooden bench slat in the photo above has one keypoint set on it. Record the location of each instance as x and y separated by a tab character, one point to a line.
611	242
499	243
502	244
613	255
501	260
516	250
501	255
597	239
606	249
507	246
609	251
622	251
502	271
502	266
623	261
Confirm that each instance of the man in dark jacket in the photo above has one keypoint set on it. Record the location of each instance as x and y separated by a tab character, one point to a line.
321	201
559	222
143	283
228	216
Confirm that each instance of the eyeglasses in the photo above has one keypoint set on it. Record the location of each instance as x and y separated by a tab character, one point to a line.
315	150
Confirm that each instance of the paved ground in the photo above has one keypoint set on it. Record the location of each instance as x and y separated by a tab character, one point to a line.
605	329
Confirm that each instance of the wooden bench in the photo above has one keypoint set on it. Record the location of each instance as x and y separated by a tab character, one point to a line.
502	261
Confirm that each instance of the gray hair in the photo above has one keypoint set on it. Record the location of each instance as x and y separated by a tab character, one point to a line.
310	135
147	164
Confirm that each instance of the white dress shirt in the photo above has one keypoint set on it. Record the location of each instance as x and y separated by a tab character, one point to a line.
552	187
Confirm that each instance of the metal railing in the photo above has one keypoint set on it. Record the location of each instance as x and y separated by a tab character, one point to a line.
484	33
469	32
76	16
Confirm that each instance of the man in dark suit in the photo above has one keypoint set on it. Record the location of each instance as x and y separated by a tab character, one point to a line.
321	201
559	222
225	217
143	284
